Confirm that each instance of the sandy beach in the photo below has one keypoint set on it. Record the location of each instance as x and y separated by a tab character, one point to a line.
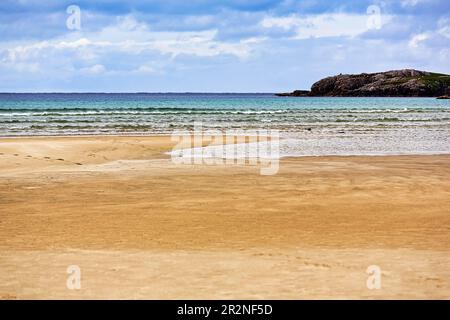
140	226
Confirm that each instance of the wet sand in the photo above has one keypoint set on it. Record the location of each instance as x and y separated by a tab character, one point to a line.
140	226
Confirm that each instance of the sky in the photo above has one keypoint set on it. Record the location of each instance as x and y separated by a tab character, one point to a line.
213	46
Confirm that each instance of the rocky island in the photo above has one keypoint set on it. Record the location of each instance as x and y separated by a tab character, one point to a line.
396	83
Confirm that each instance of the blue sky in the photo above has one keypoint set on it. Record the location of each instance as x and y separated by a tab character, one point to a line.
214	46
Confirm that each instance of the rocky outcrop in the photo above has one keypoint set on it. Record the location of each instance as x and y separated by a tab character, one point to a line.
397	83
296	93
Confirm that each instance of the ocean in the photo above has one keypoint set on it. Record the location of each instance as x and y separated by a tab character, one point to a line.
308	126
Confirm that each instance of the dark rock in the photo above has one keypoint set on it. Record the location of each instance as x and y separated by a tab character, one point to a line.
443	97
296	93
397	83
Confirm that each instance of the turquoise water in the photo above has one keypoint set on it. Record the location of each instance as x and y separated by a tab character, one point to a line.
309	125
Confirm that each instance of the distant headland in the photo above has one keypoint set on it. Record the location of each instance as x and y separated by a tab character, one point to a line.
395	83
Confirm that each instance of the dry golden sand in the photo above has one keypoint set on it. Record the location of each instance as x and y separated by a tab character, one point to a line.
140	226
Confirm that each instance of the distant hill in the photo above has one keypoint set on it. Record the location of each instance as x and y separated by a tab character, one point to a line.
396	83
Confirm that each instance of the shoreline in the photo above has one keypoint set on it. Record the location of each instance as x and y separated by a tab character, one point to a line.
163	135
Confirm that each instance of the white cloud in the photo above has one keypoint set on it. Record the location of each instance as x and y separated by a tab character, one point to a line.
409	3
145	69
22	67
417	39
444	27
126	36
413	3
322	25
93	70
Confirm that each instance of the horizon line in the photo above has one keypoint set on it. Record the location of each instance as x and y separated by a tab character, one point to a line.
140	92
